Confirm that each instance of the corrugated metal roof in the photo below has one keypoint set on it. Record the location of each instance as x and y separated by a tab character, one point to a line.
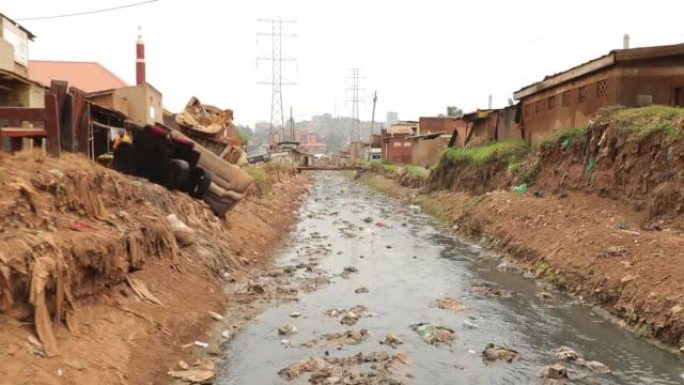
87	76
598	63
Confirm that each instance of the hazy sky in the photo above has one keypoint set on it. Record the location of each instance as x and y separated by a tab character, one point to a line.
420	56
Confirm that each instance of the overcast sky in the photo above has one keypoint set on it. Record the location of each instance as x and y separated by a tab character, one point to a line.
420	56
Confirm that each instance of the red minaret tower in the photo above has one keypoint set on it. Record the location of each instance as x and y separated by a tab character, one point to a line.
140	59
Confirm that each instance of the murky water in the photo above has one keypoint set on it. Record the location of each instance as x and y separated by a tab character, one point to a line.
423	265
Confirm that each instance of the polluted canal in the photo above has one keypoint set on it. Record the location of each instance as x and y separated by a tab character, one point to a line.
384	295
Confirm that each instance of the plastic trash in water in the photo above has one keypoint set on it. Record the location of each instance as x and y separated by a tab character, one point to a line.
470	325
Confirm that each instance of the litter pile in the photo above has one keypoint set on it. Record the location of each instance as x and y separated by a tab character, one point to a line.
343	370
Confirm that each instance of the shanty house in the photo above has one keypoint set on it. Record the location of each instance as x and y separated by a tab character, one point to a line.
633	77
433	138
395	142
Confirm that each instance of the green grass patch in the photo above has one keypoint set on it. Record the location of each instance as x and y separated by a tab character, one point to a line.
260	177
645	121
417	172
565	138
389	168
509	151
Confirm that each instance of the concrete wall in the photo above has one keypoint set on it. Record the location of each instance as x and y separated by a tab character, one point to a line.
426	152
19	40
6	56
144	103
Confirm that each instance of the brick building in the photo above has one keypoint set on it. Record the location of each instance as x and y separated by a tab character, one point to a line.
630	77
395	142
433	137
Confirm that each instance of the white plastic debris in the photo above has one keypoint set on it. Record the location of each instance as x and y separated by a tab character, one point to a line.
184	234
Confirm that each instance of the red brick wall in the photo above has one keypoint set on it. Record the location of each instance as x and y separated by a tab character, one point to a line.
396	149
429	124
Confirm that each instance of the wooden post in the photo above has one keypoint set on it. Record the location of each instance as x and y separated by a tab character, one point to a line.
52	126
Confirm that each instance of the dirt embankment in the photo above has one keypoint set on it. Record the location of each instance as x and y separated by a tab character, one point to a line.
95	287
601	217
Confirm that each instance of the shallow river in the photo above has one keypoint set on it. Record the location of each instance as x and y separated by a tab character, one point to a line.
407	265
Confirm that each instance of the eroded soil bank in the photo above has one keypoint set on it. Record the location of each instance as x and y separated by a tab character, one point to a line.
94	286
593	247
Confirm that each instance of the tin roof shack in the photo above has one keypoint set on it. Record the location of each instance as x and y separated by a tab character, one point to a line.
480	127
633	77
507	123
426	149
395	145
434	137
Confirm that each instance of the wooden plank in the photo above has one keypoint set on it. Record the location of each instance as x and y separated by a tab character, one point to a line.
21	132
25	114
52	126
80	114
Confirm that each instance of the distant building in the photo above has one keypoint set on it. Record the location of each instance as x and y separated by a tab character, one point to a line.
309	143
395	142
392	118
630	77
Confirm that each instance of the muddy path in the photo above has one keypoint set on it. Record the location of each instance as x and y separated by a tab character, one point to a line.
433	301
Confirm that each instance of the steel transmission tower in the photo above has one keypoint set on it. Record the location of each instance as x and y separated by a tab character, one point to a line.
276	81
355	129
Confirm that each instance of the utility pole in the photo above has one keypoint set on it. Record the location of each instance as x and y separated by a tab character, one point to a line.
292	126
375	99
355	99
276	81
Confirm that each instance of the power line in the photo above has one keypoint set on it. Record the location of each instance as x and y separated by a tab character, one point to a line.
276	80
355	99
87	12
